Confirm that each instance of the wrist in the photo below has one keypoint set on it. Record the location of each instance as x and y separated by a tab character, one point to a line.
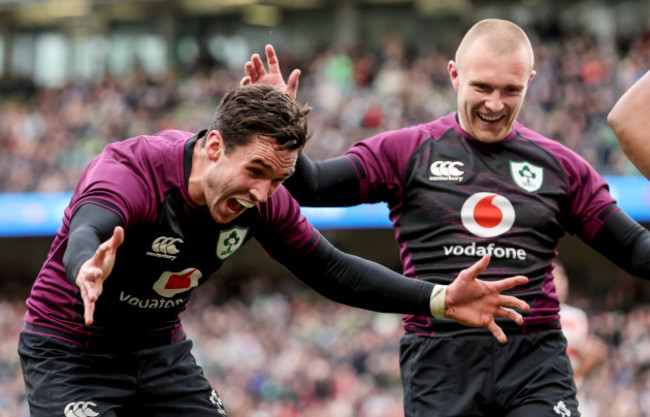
437	300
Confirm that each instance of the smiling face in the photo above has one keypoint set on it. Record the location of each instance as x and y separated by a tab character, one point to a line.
491	80
234	181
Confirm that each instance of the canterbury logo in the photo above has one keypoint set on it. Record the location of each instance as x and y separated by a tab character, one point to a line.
165	247
446	171
214	399
561	409
80	409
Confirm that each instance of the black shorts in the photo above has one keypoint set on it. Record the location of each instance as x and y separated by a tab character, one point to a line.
471	375
64	379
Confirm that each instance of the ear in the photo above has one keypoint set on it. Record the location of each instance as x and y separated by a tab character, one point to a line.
452	69
532	75
214	145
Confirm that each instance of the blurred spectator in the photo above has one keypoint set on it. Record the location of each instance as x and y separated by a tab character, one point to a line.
48	135
273	355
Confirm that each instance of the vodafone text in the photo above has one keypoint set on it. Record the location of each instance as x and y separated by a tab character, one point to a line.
150	302
490	249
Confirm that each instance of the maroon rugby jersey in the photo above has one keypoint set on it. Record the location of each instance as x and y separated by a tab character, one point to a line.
453	199
171	245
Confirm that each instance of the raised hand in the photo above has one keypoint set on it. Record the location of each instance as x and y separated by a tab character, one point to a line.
95	270
257	74
477	303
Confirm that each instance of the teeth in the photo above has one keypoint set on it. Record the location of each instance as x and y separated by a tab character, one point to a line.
489	119
245	203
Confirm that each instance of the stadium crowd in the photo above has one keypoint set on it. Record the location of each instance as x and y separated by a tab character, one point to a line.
47	135
286	352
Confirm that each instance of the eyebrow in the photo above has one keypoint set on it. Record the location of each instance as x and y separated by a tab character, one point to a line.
507	86
268	167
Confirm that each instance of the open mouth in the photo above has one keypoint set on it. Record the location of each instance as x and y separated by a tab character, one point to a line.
490	119
245	203
236	204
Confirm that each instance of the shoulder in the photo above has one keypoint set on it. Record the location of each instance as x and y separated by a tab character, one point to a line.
402	142
142	145
552	146
573	164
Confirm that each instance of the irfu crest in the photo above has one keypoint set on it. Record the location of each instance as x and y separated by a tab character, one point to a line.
230	240
526	175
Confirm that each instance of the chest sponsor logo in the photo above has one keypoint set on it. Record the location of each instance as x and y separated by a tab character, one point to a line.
486	215
526	175
172	283
165	247
230	240
446	171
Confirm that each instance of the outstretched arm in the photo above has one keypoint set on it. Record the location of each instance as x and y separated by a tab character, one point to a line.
88	261
626	243
629	121
95	270
330	183
364	284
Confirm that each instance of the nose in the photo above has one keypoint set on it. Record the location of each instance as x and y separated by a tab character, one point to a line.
494	102
261	190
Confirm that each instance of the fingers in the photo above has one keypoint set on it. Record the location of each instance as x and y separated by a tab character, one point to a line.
513	302
118	237
510	315
272	59
258	66
245	81
508	283
292	83
111	245
497	332
476	269
249	69
89	293
89	311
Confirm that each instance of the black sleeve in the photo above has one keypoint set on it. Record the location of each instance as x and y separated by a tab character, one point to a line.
357	282
90	225
330	183
626	243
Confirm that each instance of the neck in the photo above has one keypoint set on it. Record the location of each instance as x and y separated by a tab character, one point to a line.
199	165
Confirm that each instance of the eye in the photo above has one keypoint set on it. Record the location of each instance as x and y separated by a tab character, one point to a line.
255	172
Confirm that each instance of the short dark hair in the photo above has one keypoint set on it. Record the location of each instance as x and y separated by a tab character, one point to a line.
261	109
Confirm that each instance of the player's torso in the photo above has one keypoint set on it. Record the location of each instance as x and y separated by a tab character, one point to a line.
462	199
161	263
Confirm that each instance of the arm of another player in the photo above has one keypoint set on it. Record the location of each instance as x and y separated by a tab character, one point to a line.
364	284
629	121
333	182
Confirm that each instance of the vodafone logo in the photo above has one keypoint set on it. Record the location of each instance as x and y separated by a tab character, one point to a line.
487	214
172	283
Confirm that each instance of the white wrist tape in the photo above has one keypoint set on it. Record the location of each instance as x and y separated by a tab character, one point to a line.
437	301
